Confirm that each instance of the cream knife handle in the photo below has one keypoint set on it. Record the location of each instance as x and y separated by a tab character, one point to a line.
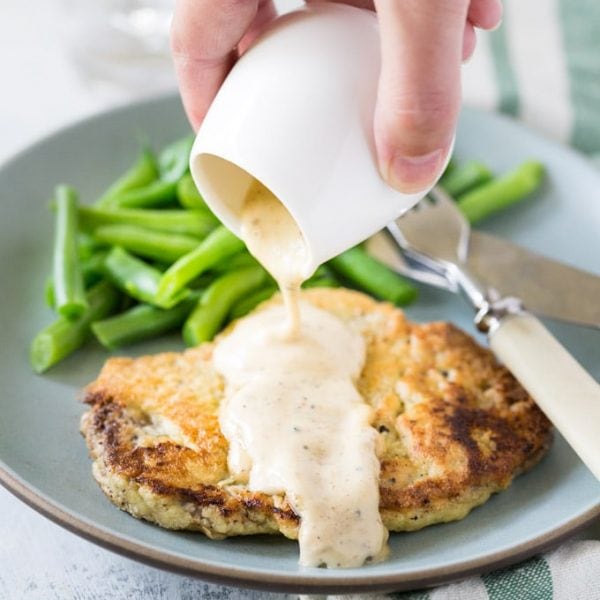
564	391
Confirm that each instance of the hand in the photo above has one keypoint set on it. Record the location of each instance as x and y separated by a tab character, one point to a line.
423	43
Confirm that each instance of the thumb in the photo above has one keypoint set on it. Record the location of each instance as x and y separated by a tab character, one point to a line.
419	88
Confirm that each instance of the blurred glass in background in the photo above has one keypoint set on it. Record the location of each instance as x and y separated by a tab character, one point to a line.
121	43
122	46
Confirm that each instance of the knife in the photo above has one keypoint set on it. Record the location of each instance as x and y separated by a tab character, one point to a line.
546	286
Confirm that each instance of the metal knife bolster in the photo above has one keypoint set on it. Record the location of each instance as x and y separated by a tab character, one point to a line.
490	305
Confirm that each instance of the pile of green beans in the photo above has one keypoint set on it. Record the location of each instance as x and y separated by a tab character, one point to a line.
148	257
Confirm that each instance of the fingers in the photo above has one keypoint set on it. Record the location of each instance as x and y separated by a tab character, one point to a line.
368	4
469	41
419	88
485	14
423	42
204	35
265	14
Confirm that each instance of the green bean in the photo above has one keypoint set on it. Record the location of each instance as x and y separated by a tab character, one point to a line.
49	297
191	222
368	274
149	184
504	191
64	336
214	248
92	270
322	277
143	172
164	247
87	246
69	291
216	303
157	193
450	168
325	281
132	275
135	277
173	161
189	196
322	271
140	323
250	302
465	178
202	282
236	261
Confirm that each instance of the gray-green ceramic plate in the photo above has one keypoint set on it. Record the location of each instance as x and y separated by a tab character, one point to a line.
44	461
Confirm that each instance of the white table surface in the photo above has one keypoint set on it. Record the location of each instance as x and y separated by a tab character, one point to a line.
41	91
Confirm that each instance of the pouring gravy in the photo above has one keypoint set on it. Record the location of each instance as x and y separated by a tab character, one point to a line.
295	422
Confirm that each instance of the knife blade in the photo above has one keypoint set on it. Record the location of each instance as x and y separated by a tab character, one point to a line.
547	287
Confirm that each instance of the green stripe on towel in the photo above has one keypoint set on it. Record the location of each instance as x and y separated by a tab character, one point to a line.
508	92
531	580
582	43
419	595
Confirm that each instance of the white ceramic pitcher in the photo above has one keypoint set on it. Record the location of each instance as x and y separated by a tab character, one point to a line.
296	113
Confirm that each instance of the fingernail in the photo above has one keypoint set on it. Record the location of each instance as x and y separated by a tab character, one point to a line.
411	174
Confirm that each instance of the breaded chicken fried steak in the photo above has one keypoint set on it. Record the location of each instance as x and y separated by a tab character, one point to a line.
454	427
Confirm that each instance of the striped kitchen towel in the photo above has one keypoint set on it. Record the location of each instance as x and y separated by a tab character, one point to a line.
570	573
543	67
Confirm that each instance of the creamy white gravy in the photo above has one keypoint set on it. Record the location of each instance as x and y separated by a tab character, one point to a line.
295	422
273	237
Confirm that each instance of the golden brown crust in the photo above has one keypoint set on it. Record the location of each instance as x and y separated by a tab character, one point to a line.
454	427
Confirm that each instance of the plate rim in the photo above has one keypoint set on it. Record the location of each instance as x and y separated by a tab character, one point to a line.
297	582
273	581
